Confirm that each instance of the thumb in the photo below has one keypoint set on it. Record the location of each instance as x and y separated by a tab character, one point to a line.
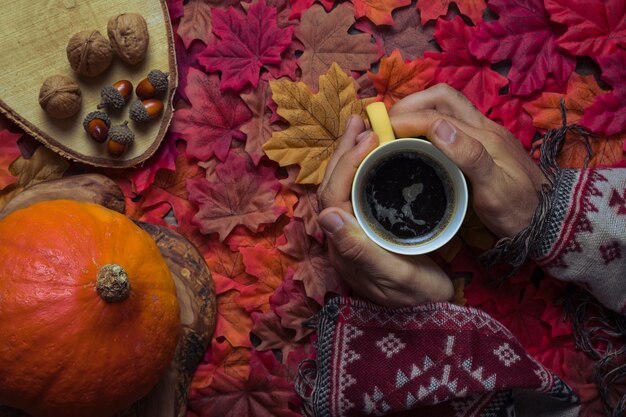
466	152
348	238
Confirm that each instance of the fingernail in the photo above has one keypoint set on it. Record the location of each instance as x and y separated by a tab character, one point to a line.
445	132
331	222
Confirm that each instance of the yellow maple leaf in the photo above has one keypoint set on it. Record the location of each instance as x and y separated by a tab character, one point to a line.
316	121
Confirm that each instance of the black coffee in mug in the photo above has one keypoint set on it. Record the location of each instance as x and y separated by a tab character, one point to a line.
408	198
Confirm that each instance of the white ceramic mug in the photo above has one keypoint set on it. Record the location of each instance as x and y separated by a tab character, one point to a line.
409	149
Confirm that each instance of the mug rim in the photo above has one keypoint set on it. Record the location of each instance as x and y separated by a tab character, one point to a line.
458	181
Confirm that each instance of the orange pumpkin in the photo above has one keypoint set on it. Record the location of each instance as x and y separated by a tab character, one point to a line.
89	318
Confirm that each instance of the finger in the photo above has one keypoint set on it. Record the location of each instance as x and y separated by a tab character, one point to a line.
466	152
445	100
354	127
337	189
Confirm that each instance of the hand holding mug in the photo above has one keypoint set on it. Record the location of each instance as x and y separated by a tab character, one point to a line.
384	277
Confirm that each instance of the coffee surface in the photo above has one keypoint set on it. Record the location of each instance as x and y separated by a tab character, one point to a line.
407	195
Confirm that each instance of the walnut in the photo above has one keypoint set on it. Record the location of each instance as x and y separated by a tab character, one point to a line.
60	97
89	53
128	34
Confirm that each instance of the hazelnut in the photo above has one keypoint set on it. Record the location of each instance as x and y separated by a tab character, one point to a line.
60	96
128	34
89	53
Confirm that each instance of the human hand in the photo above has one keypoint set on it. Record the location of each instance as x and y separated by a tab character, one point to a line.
383	277
505	181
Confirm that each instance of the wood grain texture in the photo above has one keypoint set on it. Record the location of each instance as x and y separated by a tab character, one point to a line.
194	288
33	39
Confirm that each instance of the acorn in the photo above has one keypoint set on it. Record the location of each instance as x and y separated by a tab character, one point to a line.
153	85
97	125
142	111
117	95
120	137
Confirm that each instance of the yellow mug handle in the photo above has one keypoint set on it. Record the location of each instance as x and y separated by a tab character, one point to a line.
379	120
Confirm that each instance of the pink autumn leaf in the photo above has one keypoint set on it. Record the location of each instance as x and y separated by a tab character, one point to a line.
292	305
164	158
266	392
314	268
407	34
195	23
273	335
509	111
259	129
300	6
458	68
9	152
594	27
607	114
246	43
523	34
175	8
308	207
234	193
432	9
213	119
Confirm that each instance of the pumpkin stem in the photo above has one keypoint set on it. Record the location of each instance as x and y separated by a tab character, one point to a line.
112	283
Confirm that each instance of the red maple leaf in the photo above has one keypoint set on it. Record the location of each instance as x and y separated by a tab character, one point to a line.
525	35
170	185
314	268
259	129
195	23
163	158
407	34
269	266
213	119
175	8
270	237
225	263
266	393
292	305
136	207
221	357
300	6
508	110
594	27
460	69
378	11
234	193
397	79
432	9
607	114
246	43
9	152
273	335
233	322
307	208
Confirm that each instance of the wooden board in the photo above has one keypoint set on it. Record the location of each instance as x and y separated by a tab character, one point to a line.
33	39
194	288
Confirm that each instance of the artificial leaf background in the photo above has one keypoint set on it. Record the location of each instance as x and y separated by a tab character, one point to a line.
316	121
407	34
397	79
213	120
265	89
524	35
326	42
246	43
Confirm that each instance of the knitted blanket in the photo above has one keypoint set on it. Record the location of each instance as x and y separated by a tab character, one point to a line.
436	359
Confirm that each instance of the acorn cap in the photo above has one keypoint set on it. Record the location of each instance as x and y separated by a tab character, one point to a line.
158	79
96	115
138	112
121	134
111	98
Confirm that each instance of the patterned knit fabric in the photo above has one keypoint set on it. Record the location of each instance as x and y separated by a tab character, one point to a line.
584	240
436	360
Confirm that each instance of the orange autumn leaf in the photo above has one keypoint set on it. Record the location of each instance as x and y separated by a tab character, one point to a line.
378	11
233	322
316	121
397	79
580	94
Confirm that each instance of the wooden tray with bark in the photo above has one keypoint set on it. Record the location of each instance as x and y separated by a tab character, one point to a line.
33	44
194	287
